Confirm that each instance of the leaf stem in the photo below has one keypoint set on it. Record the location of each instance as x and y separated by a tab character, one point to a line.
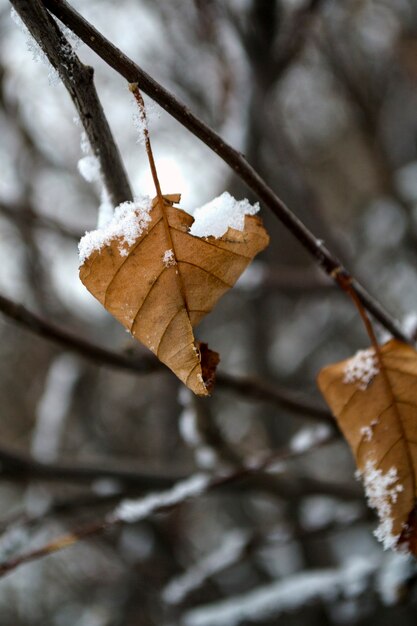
142	112
345	283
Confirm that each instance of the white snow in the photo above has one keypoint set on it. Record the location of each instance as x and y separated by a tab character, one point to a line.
214	218
188	427
169	258
89	168
307	438
33	47
229	551
382	492
53	406
105	210
409	324
127	224
361	369
132	511
106	486
38	55
405	179
253	276
141	125
205	456
272	600
366	432
142	122
395	570
320	511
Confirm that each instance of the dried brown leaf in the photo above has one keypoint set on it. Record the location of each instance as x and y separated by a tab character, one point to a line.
376	409
160	302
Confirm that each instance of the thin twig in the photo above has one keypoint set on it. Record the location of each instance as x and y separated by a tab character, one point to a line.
253	388
19	466
25	214
116	59
78	79
146	364
36	324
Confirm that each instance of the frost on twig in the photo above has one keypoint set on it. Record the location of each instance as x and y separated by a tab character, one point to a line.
38	55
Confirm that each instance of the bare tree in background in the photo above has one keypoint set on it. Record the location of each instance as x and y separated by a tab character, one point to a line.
309	107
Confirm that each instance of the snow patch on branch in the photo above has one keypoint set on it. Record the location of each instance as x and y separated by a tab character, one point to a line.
307	438
53	407
395	571
131	511
188	424
290	594
227	554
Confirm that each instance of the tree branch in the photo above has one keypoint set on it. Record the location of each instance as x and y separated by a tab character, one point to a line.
20	214
116	59
18	313
78	79
18	466
158	505
146	364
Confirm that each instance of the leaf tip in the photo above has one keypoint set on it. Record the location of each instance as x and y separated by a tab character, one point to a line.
209	362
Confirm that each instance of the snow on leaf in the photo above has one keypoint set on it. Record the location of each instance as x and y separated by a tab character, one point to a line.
159	281
379	420
214	218
169	258
361	369
127	225
382	492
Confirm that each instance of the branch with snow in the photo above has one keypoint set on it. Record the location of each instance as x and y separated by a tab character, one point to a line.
308	438
271	601
78	80
134	74
229	552
132	511
53	406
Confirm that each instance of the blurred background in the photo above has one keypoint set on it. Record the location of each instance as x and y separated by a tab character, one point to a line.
321	97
